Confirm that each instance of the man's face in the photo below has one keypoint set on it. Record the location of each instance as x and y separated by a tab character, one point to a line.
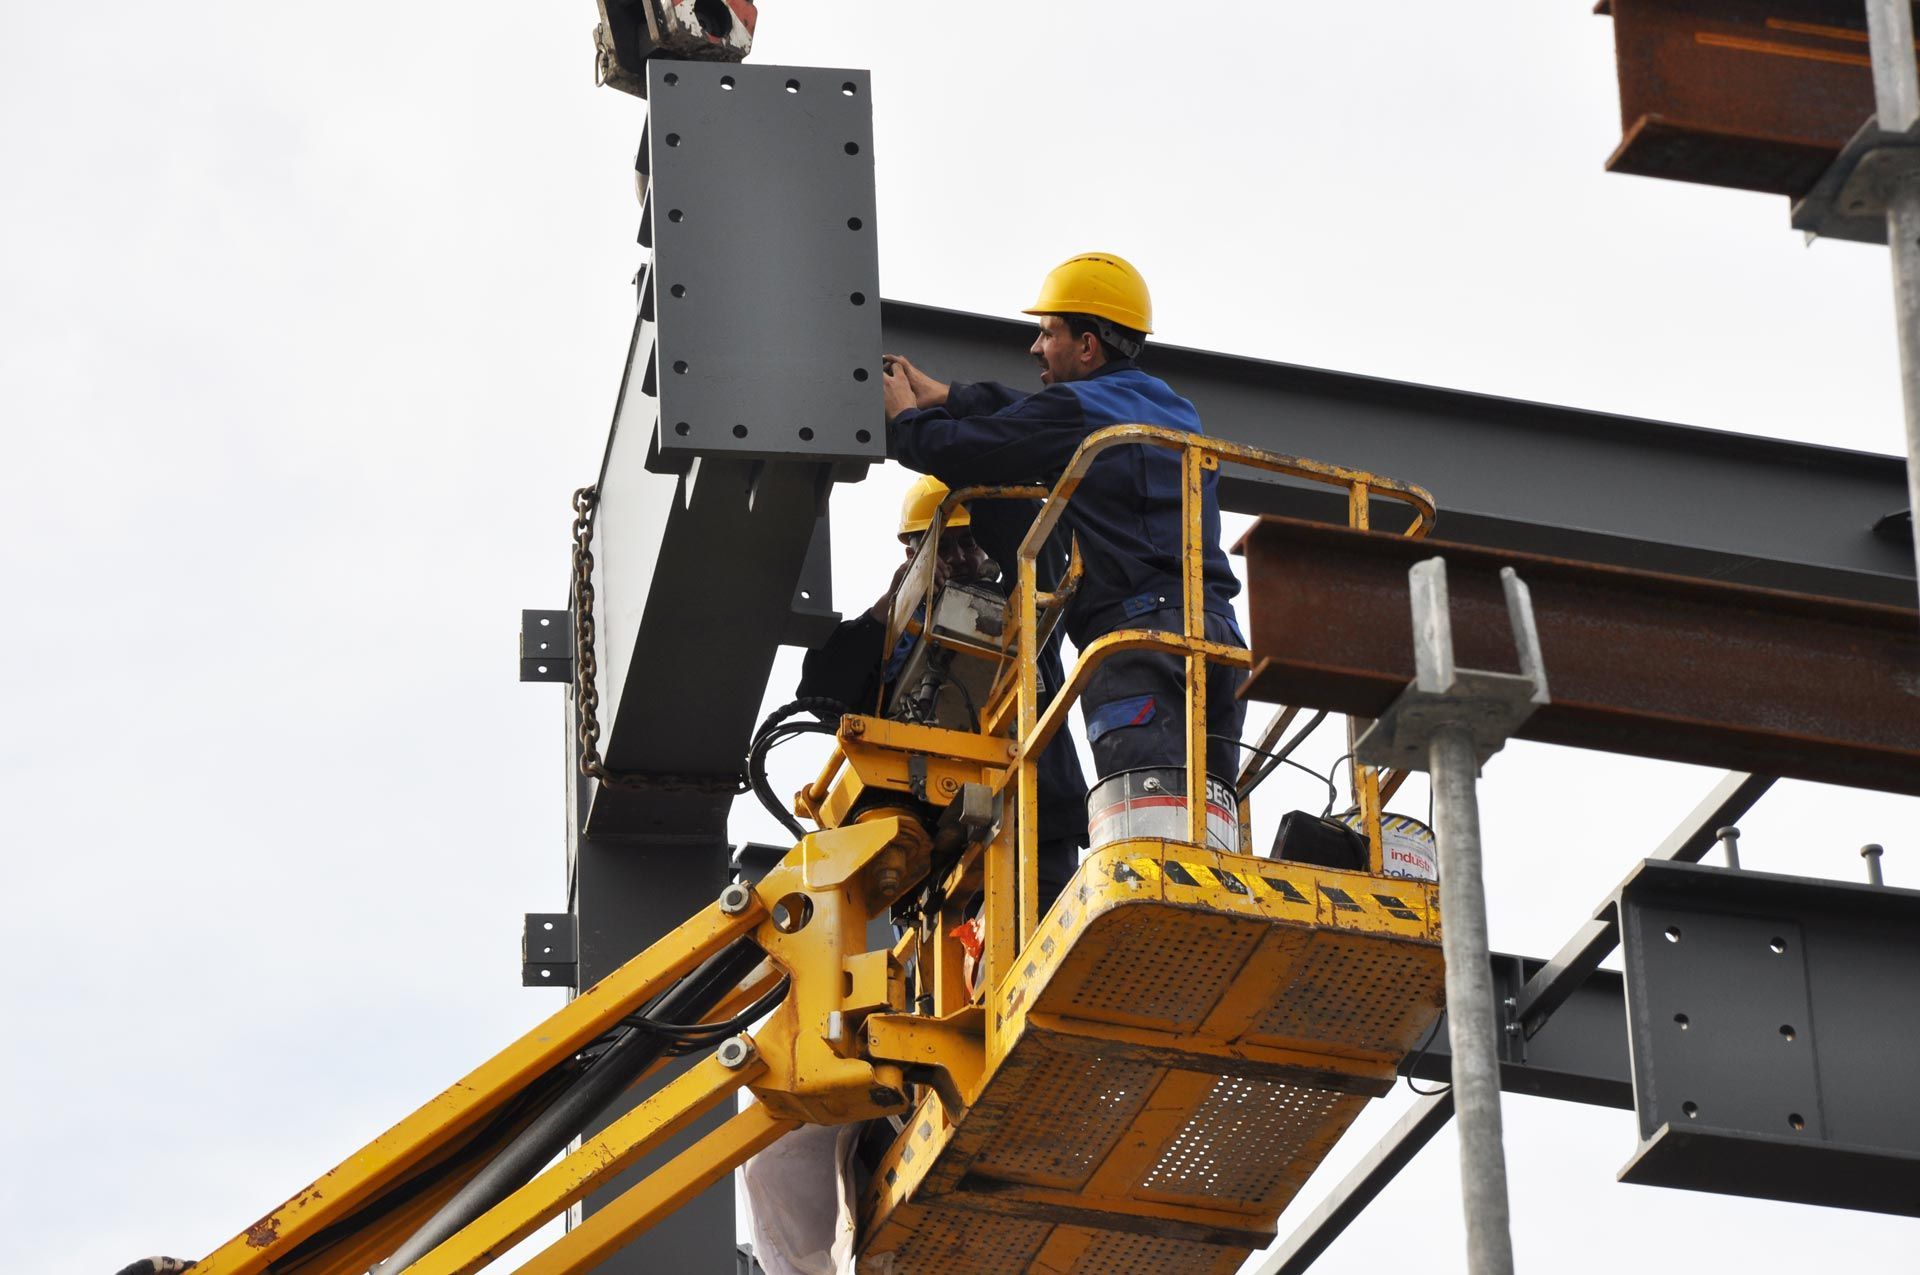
1062	355
961	560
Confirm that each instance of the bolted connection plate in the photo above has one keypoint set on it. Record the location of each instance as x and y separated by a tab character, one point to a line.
764	291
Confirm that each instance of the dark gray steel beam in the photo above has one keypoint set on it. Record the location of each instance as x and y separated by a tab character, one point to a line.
1567	483
1578	1055
752	384
1773	1021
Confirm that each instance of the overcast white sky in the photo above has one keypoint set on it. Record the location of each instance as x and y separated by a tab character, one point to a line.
312	316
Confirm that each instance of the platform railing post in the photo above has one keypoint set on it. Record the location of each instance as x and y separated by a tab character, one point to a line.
1193	627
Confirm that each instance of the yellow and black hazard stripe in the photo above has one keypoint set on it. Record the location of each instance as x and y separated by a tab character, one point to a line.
1293	885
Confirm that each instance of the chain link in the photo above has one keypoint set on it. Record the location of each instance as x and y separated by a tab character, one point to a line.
586	681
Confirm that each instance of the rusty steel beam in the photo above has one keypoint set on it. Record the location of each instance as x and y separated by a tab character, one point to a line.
1732	93
1638	662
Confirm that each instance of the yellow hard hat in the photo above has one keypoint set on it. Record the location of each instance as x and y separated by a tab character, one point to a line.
1100	284
916	511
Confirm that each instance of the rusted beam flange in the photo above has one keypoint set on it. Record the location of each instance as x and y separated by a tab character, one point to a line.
1642	663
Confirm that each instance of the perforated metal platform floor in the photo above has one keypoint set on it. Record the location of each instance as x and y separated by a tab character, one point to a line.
1179	1046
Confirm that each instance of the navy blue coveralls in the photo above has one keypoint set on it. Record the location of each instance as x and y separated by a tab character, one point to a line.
1126	516
847	667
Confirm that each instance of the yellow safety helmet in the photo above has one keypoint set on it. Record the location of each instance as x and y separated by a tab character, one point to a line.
916	511
1100	284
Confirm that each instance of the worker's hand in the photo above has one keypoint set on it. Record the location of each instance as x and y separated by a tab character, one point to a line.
883	608
927	392
897	389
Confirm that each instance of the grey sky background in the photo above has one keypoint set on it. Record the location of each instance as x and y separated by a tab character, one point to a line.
312	317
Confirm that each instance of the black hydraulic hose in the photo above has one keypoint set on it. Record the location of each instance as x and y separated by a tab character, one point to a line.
609	1075
775	730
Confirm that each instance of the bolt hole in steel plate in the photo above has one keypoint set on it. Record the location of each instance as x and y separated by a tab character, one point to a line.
774	302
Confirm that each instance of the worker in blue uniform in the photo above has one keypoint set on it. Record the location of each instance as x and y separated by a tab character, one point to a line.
848	666
1095	313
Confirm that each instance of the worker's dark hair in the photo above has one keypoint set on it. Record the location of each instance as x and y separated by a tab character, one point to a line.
1118	342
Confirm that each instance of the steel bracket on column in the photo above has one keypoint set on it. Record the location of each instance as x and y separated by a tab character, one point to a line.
1644	663
1490	706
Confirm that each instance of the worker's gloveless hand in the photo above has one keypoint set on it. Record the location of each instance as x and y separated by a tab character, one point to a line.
927	392
898	391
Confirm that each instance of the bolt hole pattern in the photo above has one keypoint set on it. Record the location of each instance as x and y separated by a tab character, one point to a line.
1796	1121
1683	1021
739	431
806	436
1691	1110
1673	934
1787	1033
793	86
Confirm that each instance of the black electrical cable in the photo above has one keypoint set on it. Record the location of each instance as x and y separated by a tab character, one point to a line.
1332	792
966	697
776	730
1281	753
1420	1053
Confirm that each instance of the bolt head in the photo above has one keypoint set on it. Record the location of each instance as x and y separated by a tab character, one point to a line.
735	1052
735	899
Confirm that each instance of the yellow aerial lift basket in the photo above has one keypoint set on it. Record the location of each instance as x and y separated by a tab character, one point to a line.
1138	1081
1189	1035
1182	1038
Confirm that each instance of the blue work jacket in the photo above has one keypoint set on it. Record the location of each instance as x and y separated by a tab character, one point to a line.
1126	512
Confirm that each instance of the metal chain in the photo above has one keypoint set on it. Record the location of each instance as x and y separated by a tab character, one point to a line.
586	693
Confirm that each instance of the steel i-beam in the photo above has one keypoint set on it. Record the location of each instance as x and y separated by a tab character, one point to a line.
1647	664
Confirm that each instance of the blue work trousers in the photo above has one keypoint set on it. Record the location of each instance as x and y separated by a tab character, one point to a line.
1136	703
